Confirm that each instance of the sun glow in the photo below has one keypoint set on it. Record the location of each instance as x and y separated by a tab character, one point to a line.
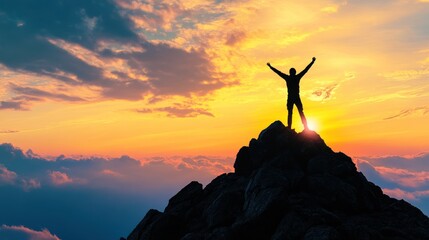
312	125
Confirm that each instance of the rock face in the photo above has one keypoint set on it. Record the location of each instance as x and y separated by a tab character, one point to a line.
286	185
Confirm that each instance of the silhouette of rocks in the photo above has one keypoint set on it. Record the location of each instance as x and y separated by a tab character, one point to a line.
286	185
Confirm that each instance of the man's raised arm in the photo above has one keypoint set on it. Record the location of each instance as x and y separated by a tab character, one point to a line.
277	71
307	68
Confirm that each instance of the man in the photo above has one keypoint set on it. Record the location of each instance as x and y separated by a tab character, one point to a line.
292	83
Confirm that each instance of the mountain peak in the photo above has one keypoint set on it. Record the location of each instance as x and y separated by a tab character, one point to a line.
286	185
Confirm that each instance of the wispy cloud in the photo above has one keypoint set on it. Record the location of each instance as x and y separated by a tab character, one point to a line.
394	95
407	75
324	93
407	112
44	234
178	110
34	93
8	131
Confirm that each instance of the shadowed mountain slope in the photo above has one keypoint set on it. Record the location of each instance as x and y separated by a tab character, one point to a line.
286	185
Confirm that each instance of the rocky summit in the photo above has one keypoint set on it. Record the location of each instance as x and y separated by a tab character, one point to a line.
286	185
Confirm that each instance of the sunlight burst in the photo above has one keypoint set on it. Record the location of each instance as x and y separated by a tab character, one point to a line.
312	125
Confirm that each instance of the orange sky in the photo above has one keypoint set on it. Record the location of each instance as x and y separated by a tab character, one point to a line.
367	93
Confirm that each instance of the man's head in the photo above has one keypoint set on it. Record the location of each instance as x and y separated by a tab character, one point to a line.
292	71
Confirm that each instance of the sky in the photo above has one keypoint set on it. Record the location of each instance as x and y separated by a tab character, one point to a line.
149	95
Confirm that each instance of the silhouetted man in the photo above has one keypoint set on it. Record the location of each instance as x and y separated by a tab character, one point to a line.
292	83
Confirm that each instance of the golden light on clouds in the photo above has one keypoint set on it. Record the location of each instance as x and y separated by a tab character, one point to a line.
190	77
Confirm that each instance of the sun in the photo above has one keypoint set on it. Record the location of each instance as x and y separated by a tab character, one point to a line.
312	124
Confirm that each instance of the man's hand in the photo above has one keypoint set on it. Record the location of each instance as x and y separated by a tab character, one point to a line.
314	59
269	65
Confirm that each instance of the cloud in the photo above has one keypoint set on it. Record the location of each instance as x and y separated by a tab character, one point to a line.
399	193
412	163
83	53
417	196
59	178
7	176
153	17
404	177
324	93
178	110
390	174
72	191
234	38
173	71
14	105
407	75
400	94
30	184
110	173
34	93
399	177
214	165
407	112
44	234
8	131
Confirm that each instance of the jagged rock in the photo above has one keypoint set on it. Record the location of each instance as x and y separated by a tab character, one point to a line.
286	185
265	191
185	199
224	209
154	224
151	216
321	233
243	164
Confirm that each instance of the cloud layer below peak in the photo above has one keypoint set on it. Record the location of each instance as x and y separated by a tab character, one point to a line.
72	192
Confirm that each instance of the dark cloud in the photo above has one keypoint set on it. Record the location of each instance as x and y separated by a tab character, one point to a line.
68	20
173	71
40	33
35	94
26	46
104	198
406	112
14	105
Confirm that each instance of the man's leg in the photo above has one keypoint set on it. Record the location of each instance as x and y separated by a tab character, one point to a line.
289	112
298	104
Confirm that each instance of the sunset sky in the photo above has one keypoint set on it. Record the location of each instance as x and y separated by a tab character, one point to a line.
184	84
